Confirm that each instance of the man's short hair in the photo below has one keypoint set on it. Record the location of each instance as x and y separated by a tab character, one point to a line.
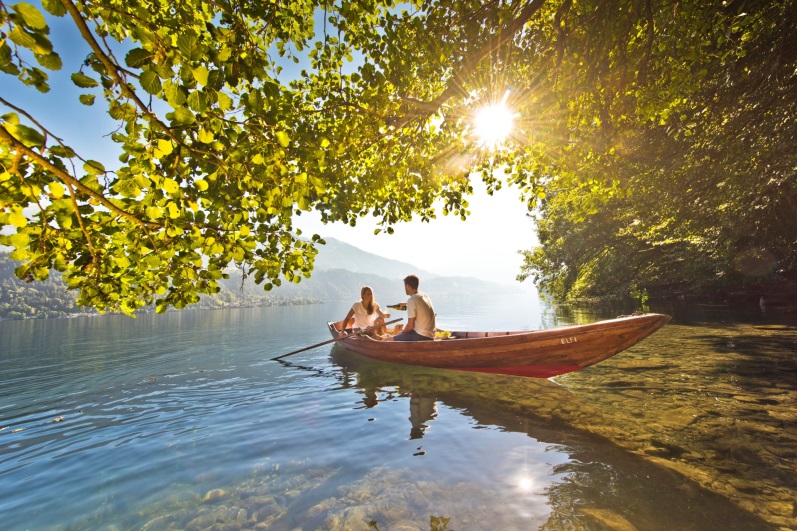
412	281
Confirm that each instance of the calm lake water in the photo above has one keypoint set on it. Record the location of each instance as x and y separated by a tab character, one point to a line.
181	421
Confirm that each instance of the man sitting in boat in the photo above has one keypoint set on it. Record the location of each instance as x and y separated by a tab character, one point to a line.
420	314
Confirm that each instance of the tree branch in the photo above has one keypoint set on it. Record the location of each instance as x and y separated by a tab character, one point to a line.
19	147
113	69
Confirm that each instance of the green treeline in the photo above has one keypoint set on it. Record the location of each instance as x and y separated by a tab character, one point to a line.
50	298
21	300
702	203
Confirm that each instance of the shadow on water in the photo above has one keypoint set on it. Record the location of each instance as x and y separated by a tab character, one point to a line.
711	399
601	486
756	358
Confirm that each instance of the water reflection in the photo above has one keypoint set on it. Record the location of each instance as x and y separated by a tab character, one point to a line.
423	406
598	486
423	409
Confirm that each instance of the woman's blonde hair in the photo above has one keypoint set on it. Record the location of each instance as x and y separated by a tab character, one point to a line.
370	307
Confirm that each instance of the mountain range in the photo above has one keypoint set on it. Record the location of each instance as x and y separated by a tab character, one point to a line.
340	271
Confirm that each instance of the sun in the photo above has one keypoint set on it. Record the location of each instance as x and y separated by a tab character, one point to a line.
493	124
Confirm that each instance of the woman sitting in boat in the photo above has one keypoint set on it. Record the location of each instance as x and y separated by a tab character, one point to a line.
366	312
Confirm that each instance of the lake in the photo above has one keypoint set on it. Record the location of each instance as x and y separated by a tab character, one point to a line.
182	421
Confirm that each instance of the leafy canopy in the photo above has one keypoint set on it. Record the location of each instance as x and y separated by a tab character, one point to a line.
220	147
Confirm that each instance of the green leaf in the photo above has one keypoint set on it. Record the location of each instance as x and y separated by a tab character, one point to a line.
283	138
225	102
16	218
183	116
22	38
201	74
174	96
122	261
174	210
187	44
50	61
138	58
28	136
57	190
150	82
170	186
32	16
86	99
127	188
19	240
54	7
204	136
165	146
62	151
6	61
197	102
83	81
92	167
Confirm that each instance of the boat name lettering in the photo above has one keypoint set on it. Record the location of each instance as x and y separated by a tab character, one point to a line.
566	340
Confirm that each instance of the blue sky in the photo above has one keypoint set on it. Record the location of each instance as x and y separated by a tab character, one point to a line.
485	246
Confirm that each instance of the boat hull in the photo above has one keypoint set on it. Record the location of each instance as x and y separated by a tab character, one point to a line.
539	354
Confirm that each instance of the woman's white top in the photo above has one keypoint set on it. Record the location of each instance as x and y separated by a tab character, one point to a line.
361	317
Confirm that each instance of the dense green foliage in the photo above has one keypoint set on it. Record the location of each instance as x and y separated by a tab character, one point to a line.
653	138
687	184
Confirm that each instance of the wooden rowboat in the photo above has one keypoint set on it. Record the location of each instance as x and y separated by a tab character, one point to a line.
539	353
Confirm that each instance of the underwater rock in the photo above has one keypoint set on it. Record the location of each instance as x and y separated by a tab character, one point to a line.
609	519
213	495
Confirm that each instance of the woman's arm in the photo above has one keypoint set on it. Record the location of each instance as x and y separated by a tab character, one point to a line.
346	321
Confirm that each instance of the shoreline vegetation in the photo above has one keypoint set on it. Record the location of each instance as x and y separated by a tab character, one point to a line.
50	299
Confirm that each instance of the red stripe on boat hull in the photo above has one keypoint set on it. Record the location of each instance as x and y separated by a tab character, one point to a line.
534	371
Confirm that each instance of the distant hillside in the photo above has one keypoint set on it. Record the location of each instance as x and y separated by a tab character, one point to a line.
340	284
339	255
341	270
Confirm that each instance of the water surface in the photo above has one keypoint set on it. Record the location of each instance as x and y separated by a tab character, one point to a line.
181	421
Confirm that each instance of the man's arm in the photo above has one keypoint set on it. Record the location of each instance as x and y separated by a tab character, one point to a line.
410	324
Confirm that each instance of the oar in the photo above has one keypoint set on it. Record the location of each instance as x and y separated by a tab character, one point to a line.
361	332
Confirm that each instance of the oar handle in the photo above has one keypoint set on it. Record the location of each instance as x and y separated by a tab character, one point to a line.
361	332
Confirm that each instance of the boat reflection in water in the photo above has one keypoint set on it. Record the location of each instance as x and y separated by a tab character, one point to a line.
552	475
